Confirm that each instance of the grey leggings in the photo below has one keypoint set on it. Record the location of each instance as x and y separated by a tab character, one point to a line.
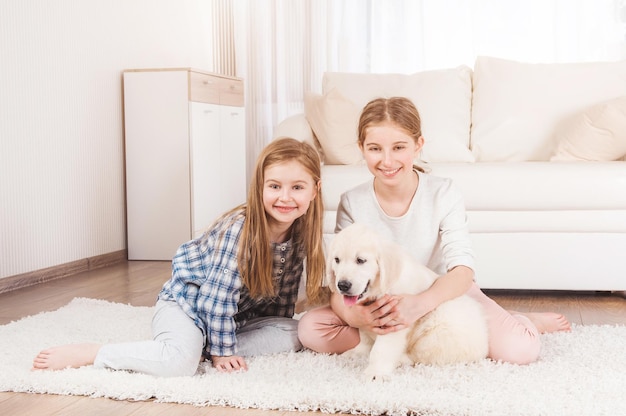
176	347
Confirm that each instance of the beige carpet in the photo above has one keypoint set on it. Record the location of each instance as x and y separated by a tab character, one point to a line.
579	373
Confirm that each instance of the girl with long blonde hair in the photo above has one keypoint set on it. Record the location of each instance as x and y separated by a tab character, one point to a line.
233	290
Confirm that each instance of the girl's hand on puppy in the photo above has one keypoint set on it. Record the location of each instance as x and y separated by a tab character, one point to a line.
387	316
393	313
379	316
228	364
411	308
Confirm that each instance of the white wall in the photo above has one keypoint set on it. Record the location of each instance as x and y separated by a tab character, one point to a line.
61	125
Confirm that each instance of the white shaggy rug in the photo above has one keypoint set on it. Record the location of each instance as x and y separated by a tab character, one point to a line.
579	373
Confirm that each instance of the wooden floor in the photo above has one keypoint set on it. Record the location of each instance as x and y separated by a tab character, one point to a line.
138	283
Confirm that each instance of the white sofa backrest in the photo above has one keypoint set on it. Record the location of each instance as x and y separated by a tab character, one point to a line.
443	98
517	107
503	111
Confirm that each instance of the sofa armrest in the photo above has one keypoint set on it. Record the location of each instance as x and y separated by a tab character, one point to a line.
296	127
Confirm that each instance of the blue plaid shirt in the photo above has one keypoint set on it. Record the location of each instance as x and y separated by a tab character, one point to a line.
207	285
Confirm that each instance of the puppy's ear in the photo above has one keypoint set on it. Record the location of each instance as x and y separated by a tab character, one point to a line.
329	276
382	268
389	265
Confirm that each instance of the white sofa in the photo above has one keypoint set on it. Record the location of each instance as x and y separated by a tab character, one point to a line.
538	151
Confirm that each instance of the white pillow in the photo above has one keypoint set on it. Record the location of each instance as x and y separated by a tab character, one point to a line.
517	106
598	133
334	119
442	97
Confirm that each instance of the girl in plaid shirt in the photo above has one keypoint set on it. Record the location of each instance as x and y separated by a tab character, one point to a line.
233	290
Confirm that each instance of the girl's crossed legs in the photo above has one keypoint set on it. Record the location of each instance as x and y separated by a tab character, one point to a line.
513	336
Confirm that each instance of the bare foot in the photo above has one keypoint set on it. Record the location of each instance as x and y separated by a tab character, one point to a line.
547	322
72	356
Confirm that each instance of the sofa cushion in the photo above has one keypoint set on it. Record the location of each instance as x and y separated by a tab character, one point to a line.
517	106
521	186
599	133
548	221
334	120
443	98
531	186
516	197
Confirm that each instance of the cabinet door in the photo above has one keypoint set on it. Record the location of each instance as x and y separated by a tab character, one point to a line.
206	166
157	163
233	148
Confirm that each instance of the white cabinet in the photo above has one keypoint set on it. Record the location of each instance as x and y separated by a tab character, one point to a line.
185	156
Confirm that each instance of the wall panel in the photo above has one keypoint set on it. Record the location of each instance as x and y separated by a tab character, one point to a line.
61	124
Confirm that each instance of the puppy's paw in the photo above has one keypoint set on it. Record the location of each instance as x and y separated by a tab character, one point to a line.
377	374
355	353
405	360
378	378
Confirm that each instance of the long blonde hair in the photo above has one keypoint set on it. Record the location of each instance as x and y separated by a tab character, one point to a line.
399	111
255	256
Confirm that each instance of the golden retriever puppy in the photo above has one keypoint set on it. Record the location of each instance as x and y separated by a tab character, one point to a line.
362	266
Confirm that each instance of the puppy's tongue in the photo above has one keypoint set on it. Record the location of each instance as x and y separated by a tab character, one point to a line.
350	300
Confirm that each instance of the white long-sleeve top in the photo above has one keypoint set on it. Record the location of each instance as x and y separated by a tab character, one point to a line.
434	229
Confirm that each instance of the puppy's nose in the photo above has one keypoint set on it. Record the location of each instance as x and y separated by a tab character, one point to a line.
344	285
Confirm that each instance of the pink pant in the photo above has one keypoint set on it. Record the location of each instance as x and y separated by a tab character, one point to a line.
512	338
